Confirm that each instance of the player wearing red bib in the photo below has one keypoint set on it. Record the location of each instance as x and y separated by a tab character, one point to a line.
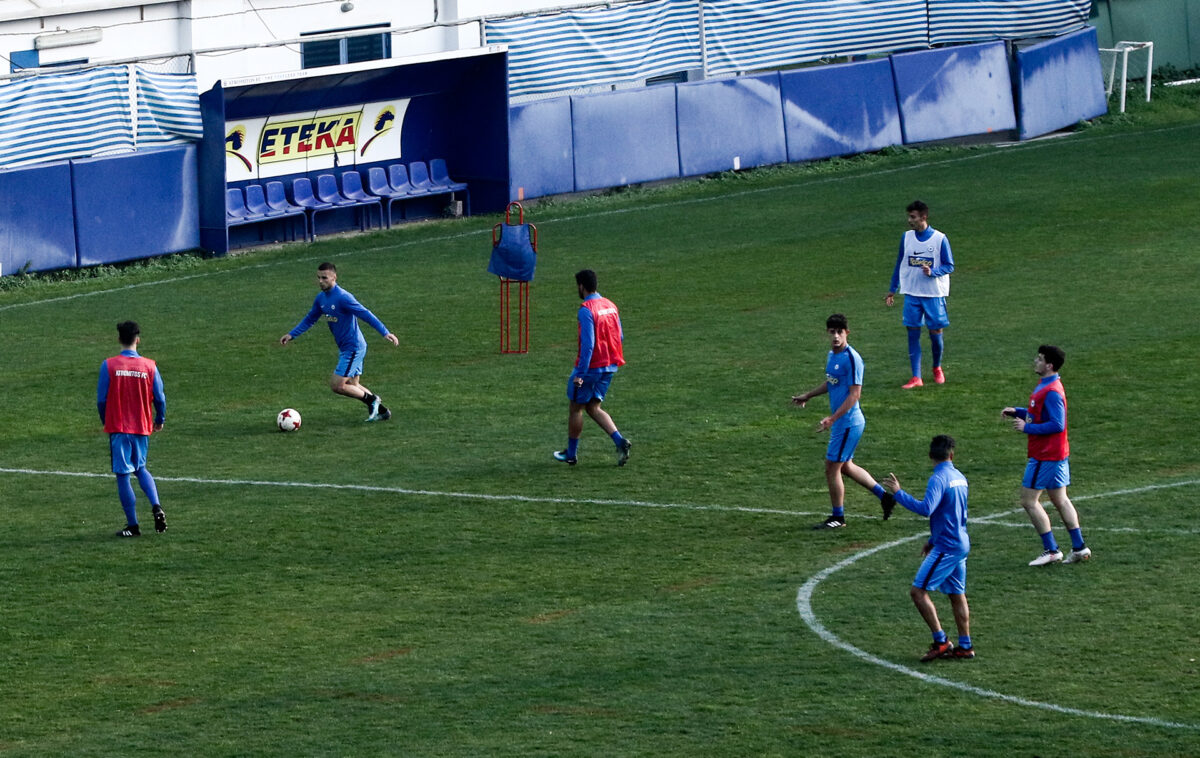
132	405
1049	465
600	355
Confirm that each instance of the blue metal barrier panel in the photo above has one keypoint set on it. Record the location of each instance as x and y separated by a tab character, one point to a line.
624	137
541	158
840	110
1059	83
35	219
136	205
954	92
730	124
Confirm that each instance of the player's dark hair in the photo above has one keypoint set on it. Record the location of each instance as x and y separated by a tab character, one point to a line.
919	207
327	266
127	331
940	447
836	321
1053	355
587	279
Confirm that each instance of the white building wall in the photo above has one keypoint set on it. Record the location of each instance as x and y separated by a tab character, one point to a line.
133	29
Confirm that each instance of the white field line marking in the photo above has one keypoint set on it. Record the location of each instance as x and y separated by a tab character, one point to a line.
993	519
804	607
425	493
988	519
239	269
800	185
803	596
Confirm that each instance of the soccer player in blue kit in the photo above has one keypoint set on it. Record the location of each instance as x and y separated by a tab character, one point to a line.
845	422
922	275
342	312
945	566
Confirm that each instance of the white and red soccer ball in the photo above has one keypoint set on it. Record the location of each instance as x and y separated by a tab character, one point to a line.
288	420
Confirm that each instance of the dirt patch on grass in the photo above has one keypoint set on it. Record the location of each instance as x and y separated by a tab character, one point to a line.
133	681
170	705
370	697
694	584
546	618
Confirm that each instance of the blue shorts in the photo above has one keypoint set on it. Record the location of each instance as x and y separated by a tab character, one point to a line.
1047	475
128	451
943	572
843	440
925	311
594	387
350	362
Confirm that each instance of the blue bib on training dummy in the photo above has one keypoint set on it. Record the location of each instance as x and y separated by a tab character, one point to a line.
513	256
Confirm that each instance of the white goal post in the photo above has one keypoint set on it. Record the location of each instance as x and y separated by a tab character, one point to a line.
1122	51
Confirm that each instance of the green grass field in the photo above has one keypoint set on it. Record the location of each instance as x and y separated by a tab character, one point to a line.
438	586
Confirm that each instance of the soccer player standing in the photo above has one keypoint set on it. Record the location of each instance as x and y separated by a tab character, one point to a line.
1049	466
342	312
945	566
132	405
922	275
600	355
845	422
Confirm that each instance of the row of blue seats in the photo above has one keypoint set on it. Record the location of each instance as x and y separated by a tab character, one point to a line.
399	183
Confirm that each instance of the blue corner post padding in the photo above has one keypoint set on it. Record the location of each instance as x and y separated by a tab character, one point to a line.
514	250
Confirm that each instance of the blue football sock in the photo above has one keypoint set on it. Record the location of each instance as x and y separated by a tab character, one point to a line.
128	498
1048	541
914	350
1076	538
146	482
878	491
572	447
939	636
964	642
839	511
617	438
936	342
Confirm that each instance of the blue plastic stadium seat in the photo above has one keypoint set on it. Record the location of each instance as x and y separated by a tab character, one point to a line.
352	189
251	208
327	191
398	178
235	207
440	177
256	201
418	175
377	184
277	201
302	195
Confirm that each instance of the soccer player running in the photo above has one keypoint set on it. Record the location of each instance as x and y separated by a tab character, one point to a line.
845	422
342	312
1049	466
945	566
922	275
600	355
132	405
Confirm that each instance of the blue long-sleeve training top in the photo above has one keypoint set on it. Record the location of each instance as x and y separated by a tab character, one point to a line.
945	505
341	311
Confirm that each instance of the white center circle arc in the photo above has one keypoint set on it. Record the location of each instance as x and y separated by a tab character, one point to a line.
804	606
